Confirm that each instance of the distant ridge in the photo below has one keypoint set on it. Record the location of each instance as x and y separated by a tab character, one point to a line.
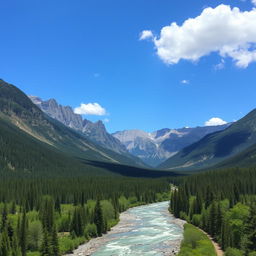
227	147
156	147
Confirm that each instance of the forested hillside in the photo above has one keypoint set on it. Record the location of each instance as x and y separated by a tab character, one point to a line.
17	108
223	203
52	216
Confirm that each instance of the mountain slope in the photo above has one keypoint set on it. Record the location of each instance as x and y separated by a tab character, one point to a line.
21	112
22	155
154	148
216	147
95	132
246	158
34	145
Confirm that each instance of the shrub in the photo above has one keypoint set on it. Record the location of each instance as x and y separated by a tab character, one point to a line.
64	223
196	219
66	245
33	253
90	231
35	235
233	252
195	243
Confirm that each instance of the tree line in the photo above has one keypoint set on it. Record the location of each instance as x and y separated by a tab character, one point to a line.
50	217
222	203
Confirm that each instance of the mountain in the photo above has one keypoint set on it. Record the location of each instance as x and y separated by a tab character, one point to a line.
227	147
17	109
94	131
154	148
22	155
247	158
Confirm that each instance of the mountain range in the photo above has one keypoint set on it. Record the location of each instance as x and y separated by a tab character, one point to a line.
39	136
152	148
156	147
234	146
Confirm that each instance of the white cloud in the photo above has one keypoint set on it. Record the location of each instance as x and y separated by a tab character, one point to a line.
254	2
146	34
215	121
229	32
221	65
90	109
185	81
106	120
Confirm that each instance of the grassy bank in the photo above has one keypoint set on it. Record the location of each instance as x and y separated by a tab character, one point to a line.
195	243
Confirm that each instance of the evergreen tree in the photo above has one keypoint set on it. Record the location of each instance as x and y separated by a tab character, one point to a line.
16	250
77	222
13	208
47	213
46	249
5	247
57	205
23	234
4	218
98	218
54	242
213	219
219	220
250	230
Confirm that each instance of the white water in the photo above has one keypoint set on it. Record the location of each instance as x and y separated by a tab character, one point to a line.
143	231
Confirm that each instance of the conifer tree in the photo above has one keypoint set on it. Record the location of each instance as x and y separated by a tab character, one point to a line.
213	219
250	230
16	250
57	205
23	234
5	247
13	208
54	242
98	218
4	218
46	245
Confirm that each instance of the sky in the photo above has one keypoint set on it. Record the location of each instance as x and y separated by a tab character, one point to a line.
137	64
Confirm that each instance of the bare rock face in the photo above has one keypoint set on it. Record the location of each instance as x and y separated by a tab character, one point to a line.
156	147
95	131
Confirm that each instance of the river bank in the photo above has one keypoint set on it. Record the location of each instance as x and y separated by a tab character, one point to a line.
144	230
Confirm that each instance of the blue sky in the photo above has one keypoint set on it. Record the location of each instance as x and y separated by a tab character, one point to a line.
88	51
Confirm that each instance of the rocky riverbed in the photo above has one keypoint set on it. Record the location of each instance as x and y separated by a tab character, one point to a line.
143	230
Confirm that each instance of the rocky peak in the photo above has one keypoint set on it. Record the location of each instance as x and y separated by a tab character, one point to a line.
65	114
36	100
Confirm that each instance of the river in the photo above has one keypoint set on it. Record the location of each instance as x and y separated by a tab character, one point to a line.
143	230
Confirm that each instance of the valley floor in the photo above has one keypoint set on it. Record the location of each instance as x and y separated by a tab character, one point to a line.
143	230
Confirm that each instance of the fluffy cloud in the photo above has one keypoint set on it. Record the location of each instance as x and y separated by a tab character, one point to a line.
146	34
90	109
254	2
185	81
221	65
214	122
229	32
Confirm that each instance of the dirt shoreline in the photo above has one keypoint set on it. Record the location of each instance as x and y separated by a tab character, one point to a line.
125	224
217	247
